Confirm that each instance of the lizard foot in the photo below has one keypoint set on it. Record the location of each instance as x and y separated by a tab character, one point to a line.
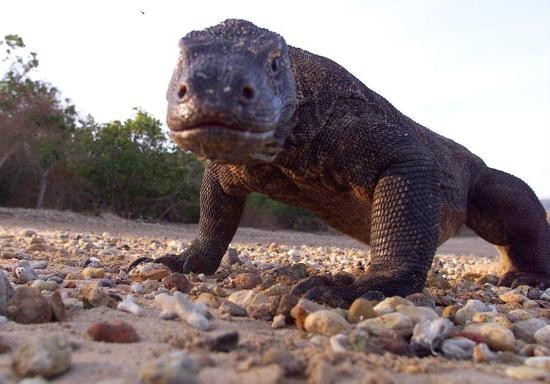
336	296
336	290
174	262
514	279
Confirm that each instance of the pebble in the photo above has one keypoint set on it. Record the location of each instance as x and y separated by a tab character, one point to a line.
6	292
170	368
524	372
227	307
513	297
466	313
286	360
497	337
107	283
247	280
223	341
166	303
28	233
482	353
458	348
27	305
492	317
390	322
538	362
339	343
389	304
24	274
95	296
525	330
136	287
57	305
325	322
44	285
208	299
279	321
302	309
519	315
177	281
246	297
435	280
115	331
428	334
128	305
286	303
421	300
260	311
193	314
294	271
91	272
49	356
417	313
542	336
231	257
361	309
40	264
150	271
37	247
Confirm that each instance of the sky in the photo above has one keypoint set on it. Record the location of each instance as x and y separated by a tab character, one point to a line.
477	72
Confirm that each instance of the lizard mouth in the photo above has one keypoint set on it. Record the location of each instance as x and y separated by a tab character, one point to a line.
219	141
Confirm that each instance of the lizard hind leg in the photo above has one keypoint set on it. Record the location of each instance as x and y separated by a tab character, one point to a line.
503	210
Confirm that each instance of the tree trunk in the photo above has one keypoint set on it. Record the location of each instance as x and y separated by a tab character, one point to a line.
43	186
6	156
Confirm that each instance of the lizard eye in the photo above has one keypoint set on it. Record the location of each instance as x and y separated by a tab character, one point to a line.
275	64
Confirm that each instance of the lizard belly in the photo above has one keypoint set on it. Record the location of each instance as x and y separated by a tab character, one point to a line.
344	211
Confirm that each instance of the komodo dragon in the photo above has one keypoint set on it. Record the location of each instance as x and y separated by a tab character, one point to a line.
299	128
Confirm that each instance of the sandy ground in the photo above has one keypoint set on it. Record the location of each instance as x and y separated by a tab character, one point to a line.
94	362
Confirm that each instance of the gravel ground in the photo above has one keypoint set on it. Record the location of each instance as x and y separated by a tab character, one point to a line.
73	313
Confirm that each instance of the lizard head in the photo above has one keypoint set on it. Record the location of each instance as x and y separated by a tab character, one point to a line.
232	93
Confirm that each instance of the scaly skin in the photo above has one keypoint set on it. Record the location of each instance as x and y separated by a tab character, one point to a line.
300	129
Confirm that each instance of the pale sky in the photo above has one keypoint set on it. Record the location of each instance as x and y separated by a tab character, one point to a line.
475	71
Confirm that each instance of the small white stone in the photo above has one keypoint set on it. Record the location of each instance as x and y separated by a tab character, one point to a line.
538	362
339	343
466	313
389	305
279	321
167	305
524	372
390	322
137	287
458	348
128	305
193	314
428	334
417	313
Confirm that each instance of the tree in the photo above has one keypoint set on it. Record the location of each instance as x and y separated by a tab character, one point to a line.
35	121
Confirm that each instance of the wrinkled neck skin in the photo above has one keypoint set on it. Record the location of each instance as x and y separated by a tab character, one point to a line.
275	144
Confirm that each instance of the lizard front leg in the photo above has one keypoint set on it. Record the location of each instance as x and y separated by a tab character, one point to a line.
220	214
404	233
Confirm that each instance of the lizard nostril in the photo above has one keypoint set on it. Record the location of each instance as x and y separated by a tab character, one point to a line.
248	93
182	91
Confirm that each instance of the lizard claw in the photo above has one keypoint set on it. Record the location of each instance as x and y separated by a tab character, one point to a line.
137	262
174	262
514	279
